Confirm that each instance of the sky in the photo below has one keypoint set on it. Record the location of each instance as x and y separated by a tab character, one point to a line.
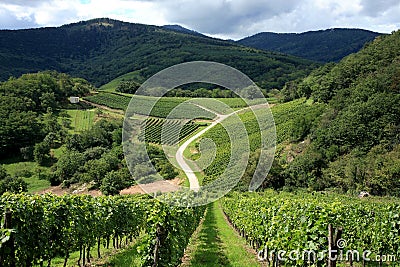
227	19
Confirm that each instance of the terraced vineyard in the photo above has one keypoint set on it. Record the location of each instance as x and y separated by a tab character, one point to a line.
222	141
110	100
143	104
172	130
294	119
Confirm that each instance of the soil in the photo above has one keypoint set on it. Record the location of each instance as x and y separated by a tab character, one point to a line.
160	186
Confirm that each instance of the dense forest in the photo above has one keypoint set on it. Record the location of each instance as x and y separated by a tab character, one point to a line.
322	46
355	143
34	120
102	49
27	108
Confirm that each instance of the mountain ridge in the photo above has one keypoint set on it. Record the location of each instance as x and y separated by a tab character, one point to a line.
321	45
181	29
100	50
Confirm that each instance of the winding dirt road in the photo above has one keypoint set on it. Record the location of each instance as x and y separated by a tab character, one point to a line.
194	183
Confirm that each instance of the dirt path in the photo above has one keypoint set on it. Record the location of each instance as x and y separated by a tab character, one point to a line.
194	182
81	190
103	107
160	186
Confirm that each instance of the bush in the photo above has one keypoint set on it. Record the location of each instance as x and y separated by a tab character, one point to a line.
23	173
112	183
41	153
13	185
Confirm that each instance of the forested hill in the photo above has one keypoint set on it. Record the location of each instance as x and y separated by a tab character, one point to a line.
322	46
356	143
100	50
179	28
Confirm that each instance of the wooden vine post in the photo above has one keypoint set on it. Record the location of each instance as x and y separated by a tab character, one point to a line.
160	239
9	245
333	237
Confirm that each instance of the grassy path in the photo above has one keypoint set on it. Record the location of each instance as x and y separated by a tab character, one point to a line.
217	244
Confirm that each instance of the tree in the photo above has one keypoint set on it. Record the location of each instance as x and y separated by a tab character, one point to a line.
129	87
167	171
48	100
18	129
50	122
50	139
41	152
74	142
113	183
68	164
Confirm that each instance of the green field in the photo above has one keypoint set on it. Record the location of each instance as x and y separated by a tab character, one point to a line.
31	173
110	100
81	120
219	134
111	86
226	105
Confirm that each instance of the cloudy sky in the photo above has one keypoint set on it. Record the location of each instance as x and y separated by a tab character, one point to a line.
233	19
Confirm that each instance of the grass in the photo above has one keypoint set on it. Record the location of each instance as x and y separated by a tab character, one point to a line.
35	183
217	244
81	120
111	86
110	257
127	257
57	152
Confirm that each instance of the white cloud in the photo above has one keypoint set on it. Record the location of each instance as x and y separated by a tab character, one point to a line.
221	18
58	12
375	8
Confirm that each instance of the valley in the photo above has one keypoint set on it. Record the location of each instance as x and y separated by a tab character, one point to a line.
73	185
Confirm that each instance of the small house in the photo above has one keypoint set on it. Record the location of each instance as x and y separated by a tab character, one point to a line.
74	99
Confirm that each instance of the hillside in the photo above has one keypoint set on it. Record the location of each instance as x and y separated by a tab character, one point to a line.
179	28
100	50
356	143
322	46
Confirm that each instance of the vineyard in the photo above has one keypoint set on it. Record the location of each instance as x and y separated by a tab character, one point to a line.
142	104
225	105
222	141
171	131
110	100
47	226
287	122
290	222
287	128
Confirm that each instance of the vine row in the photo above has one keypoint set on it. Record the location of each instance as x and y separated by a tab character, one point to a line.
47	226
